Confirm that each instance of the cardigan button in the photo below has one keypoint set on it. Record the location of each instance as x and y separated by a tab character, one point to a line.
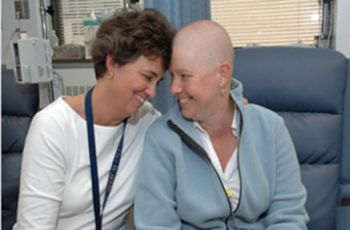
229	192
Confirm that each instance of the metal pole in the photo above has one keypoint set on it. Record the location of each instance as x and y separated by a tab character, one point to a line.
42	8
43	19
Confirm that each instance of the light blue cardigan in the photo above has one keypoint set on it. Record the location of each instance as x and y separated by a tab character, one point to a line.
178	188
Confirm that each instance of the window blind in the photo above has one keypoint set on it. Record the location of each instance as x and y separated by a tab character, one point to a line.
71	14
272	22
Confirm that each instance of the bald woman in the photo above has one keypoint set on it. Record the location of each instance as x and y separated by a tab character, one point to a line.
212	162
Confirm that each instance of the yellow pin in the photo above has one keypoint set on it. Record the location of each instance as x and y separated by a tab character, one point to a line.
229	192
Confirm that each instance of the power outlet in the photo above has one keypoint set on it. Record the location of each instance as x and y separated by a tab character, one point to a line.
22	9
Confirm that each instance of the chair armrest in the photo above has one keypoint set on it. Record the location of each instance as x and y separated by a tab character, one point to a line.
343	218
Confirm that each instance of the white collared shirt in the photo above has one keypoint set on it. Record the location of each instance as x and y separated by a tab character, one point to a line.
230	177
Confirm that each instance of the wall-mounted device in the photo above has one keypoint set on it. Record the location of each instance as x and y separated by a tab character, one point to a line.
32	60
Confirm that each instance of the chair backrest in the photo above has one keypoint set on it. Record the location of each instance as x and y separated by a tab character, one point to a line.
308	88
18	103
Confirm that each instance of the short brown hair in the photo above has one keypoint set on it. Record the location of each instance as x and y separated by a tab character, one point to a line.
128	35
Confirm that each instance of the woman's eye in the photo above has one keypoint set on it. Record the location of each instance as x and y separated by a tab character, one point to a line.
147	78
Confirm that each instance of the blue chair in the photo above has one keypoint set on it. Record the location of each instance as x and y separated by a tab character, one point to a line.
19	104
310	89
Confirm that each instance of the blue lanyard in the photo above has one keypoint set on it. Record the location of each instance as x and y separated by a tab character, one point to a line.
93	162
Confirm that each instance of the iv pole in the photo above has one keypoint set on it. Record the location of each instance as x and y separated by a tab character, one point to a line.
43	19
43	13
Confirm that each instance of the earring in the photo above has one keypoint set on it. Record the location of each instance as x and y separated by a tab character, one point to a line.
222	91
110	76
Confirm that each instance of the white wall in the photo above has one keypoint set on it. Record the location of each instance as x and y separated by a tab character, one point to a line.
76	80
342	30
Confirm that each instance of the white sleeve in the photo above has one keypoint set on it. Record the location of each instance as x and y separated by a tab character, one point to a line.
42	174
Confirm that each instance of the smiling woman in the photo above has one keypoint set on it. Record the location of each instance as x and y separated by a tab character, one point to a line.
71	144
212	162
133	83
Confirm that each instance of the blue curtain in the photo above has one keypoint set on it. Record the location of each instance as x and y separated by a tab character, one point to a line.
179	13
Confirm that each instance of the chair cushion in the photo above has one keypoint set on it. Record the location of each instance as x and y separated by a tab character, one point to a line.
307	87
293	79
14	130
19	104
10	174
316	136
18	99
322	185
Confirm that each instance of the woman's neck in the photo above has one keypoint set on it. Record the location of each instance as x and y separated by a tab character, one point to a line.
220	122
107	111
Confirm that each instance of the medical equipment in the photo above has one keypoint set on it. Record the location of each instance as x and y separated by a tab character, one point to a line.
32	60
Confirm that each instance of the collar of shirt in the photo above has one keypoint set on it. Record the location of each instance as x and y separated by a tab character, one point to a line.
230	177
234	124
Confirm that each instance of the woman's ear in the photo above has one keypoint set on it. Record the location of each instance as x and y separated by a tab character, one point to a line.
110	65
225	71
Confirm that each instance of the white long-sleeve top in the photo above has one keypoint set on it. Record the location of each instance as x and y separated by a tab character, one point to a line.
55	187
230	176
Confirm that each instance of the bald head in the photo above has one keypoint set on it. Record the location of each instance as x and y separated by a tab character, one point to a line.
206	40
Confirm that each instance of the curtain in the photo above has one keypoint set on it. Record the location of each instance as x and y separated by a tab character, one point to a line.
179	13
